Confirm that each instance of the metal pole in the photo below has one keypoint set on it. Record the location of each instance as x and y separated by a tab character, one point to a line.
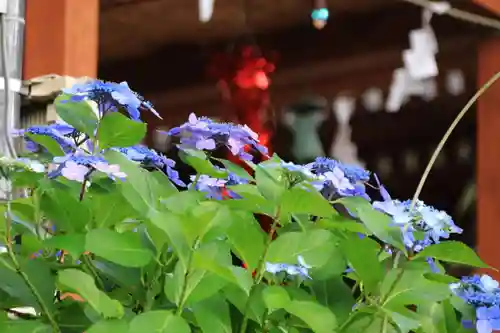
11	57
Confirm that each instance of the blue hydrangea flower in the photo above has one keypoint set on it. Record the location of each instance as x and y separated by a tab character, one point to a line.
217	188
111	97
434	224
301	270
354	173
152	159
339	178
483	293
205	134
79	166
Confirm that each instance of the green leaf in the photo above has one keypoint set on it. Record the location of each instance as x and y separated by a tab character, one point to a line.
255	307
116	130
319	318
408	286
142	190
158	321
47	142
314	245
202	165
172	225
335	295
442	278
377	222
24	326
63	208
74	244
80	115
452	251
125	249
343	224
270	182
275	297
212	315
109	326
302	201
246	238
208	216
251	200
362	257
110	209
40	277
236	169
216	258
84	285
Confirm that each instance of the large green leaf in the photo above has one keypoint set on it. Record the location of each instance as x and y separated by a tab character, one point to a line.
235	169
251	200
216	258
408	286
246	238
270	182
212	315
305	201
172	225
116	130
39	276
275	297
142	189
362	255
254	307
80	115
84	285
65	210
335	295
314	245
377	222
319	318
24	326
453	251
74	244
125	249
202	165
158	321
110	209
109	326
48	143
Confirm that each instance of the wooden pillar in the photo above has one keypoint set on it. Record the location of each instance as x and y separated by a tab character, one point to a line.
488	151
62	37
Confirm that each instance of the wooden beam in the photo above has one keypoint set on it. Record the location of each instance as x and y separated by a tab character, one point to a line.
493	5
488	156
61	38
184	65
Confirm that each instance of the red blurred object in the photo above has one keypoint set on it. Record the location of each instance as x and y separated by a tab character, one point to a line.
243	80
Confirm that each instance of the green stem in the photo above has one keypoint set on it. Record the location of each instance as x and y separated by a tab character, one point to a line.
183	297
24	276
86	261
441	144
260	273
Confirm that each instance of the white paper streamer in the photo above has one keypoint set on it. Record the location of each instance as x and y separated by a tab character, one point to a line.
205	10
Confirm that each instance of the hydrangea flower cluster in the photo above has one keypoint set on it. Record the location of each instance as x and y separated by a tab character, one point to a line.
111	97
216	188
149	158
483	294
81	157
331	177
301	269
204	134
421	226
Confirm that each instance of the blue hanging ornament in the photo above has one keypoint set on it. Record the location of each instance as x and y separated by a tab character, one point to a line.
319	14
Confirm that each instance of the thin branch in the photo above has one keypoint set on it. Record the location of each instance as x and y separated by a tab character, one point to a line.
446	136
460	14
